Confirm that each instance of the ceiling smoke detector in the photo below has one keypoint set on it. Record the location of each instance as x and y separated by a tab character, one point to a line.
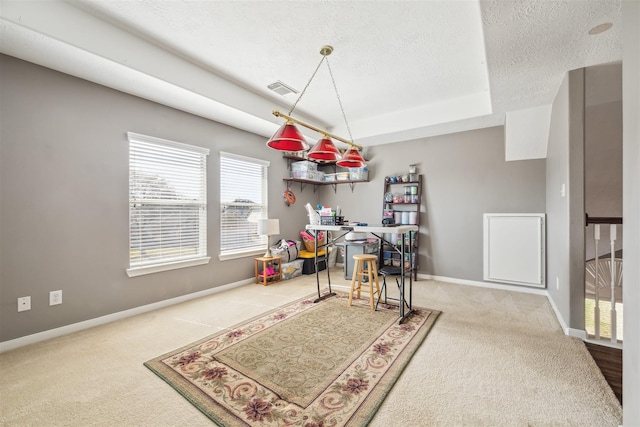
281	88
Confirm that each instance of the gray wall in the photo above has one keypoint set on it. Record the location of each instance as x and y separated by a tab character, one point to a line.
64	210
557	204
576	199
64	198
464	176
565	213
563	240
631	211
585	152
603	153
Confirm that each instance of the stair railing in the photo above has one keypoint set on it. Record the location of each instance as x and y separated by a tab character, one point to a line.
612	222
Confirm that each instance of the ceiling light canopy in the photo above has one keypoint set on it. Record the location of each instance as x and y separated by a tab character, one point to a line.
288	138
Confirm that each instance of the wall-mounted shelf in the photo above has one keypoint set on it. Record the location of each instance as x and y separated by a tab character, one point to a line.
316	184
304	182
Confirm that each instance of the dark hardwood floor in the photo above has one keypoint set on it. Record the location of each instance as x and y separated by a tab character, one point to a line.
609	360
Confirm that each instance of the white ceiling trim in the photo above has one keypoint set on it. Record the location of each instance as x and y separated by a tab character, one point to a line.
449	111
17	41
43	36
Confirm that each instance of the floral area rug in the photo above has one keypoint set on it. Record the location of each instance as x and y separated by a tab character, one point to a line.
304	364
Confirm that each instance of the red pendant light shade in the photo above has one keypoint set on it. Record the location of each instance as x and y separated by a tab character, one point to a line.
324	150
352	159
288	138
326	157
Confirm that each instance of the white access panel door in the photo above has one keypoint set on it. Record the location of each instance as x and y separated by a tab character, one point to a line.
514	249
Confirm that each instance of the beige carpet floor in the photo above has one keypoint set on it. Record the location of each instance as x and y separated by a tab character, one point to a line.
494	358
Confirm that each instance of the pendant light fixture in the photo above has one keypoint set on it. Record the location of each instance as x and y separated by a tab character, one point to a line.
288	138
352	159
325	150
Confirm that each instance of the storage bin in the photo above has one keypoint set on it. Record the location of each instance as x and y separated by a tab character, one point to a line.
308	267
390	258
316	176
358	174
330	177
309	175
292	269
331	220
342	176
304	166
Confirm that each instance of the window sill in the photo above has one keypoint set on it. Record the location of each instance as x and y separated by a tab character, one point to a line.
139	271
235	255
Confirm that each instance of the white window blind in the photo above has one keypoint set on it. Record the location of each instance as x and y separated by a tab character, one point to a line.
167	204
243	200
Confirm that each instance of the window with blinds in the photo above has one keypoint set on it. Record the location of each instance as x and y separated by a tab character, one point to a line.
243	200
167	204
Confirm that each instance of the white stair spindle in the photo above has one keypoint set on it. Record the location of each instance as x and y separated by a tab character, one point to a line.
612	235
596	308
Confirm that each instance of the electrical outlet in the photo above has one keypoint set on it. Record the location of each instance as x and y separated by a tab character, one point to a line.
24	303
55	297
557	283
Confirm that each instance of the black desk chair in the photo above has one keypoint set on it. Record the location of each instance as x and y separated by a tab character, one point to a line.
384	272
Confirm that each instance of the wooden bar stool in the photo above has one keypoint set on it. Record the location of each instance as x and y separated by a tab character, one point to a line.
365	266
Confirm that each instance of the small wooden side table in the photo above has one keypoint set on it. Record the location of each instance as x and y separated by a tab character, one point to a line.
262	264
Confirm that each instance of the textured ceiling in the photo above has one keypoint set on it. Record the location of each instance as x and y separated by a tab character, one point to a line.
531	44
403	69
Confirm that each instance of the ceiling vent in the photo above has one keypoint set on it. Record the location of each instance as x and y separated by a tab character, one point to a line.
281	88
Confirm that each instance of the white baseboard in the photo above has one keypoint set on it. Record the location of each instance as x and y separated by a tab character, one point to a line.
64	330
75	327
566	330
563	324
490	285
578	333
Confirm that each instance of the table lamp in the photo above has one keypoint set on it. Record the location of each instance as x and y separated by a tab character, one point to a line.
268	227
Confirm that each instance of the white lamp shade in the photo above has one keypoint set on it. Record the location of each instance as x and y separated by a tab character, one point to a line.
268	227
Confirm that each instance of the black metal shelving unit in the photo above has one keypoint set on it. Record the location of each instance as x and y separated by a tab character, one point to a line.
388	252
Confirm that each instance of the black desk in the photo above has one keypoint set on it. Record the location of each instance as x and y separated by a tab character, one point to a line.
405	304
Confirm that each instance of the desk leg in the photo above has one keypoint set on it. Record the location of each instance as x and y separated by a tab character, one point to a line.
403	303
326	260
412	272
330	294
